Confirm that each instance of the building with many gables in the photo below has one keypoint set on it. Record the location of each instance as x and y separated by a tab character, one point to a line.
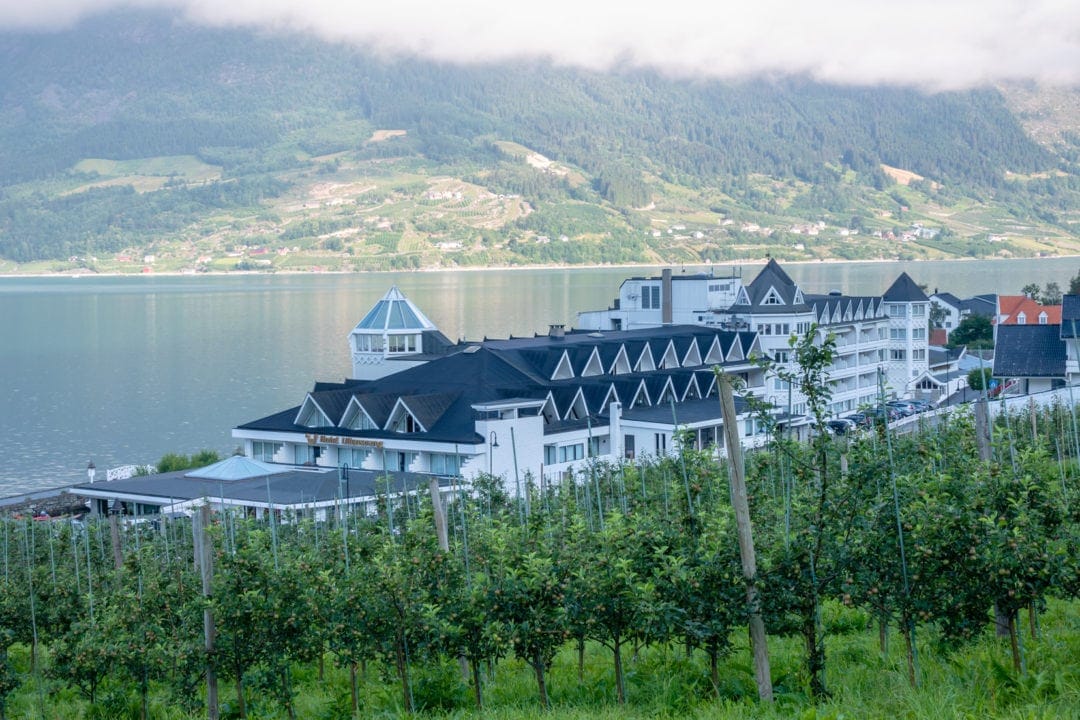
881	341
539	405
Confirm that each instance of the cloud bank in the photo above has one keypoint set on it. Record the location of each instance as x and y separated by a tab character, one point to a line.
934	44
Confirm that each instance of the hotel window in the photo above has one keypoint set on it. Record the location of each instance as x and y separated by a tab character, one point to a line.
628	446
919	354
782	356
568	453
650	297
899	354
898	333
594	446
549	455
918	310
264	451
779	384
353	457
898	310
1042	318
445	464
307	454
401	343
660	443
772	298
918	333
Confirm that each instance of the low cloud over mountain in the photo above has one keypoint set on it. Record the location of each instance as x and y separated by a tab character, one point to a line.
933	44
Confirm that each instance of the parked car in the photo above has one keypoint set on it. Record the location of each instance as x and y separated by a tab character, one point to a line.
859	419
841	426
922	406
904	407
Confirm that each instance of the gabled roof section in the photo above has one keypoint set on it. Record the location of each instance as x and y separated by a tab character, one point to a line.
903	290
394	312
1029	351
773	291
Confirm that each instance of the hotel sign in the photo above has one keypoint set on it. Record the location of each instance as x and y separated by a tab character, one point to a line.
313	439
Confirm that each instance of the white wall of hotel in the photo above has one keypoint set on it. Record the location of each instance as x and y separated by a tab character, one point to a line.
513	444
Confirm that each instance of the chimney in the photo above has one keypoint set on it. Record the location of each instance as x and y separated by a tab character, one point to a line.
665	296
557	332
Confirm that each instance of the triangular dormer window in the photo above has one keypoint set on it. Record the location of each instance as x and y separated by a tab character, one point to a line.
670	359
564	370
402	420
798	297
735	353
1021	319
311	415
693	355
621	366
772	298
715	356
357	418
594	366
1042	318
645	362
577	409
667	395
743	298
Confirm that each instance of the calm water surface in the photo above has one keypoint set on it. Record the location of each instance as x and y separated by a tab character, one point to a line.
123	370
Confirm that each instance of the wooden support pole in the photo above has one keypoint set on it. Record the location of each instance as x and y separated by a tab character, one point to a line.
204	560
444	544
746	539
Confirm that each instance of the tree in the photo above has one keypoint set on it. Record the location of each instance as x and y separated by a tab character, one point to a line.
1074	284
1051	295
979	378
1032	290
974	331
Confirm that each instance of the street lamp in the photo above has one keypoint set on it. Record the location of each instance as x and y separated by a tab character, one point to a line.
343	475
493	442
90	471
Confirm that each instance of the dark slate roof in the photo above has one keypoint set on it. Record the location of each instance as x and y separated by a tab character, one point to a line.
441	393
985	305
691	412
292	486
949	299
1029	351
1070	316
904	289
771	276
824	306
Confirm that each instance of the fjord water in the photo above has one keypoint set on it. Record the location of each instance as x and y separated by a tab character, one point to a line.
124	369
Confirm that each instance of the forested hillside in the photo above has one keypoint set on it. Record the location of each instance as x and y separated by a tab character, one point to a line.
223	138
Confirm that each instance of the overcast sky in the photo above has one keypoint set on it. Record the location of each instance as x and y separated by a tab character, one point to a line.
935	44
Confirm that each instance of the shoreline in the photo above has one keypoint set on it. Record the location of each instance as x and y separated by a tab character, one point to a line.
76	274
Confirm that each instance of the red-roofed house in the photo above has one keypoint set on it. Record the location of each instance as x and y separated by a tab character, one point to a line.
1022	310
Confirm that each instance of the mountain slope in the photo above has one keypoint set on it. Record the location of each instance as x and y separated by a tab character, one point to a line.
250	125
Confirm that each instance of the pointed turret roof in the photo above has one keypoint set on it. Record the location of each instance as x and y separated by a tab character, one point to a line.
773	291
394	312
904	290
